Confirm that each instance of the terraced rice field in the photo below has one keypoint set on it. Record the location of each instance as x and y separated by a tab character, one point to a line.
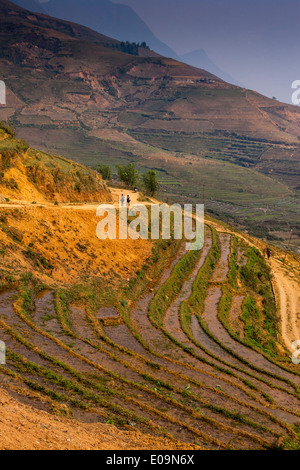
180	356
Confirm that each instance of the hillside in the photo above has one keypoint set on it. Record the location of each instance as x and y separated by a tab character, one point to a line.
177	349
38	224
28	174
188	350
133	344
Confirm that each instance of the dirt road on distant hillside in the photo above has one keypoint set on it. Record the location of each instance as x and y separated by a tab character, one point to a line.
287	291
286	285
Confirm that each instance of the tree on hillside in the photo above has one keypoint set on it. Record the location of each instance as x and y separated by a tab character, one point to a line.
128	174
8	128
105	171
151	182
130	47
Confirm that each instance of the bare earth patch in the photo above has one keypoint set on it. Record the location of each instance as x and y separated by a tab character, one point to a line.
25	428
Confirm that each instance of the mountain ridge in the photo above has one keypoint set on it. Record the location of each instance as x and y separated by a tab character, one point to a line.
114	20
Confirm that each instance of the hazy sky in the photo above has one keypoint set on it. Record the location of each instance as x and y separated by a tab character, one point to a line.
256	41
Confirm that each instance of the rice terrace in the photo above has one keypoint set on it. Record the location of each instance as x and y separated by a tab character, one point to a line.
188	350
143	342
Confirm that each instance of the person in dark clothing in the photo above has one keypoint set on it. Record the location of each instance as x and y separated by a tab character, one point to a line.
128	200
268	252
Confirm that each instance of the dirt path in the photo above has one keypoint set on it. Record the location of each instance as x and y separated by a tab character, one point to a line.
222	268
286	285
26	428
287	292
115	192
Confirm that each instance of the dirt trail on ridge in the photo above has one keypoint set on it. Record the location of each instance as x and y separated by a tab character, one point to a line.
287	293
286	285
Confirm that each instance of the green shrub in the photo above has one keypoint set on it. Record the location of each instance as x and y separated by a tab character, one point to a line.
8	128
105	171
128	174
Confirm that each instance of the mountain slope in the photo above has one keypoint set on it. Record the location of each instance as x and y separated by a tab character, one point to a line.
28	174
120	22
74	92
41	217
187	348
60	51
